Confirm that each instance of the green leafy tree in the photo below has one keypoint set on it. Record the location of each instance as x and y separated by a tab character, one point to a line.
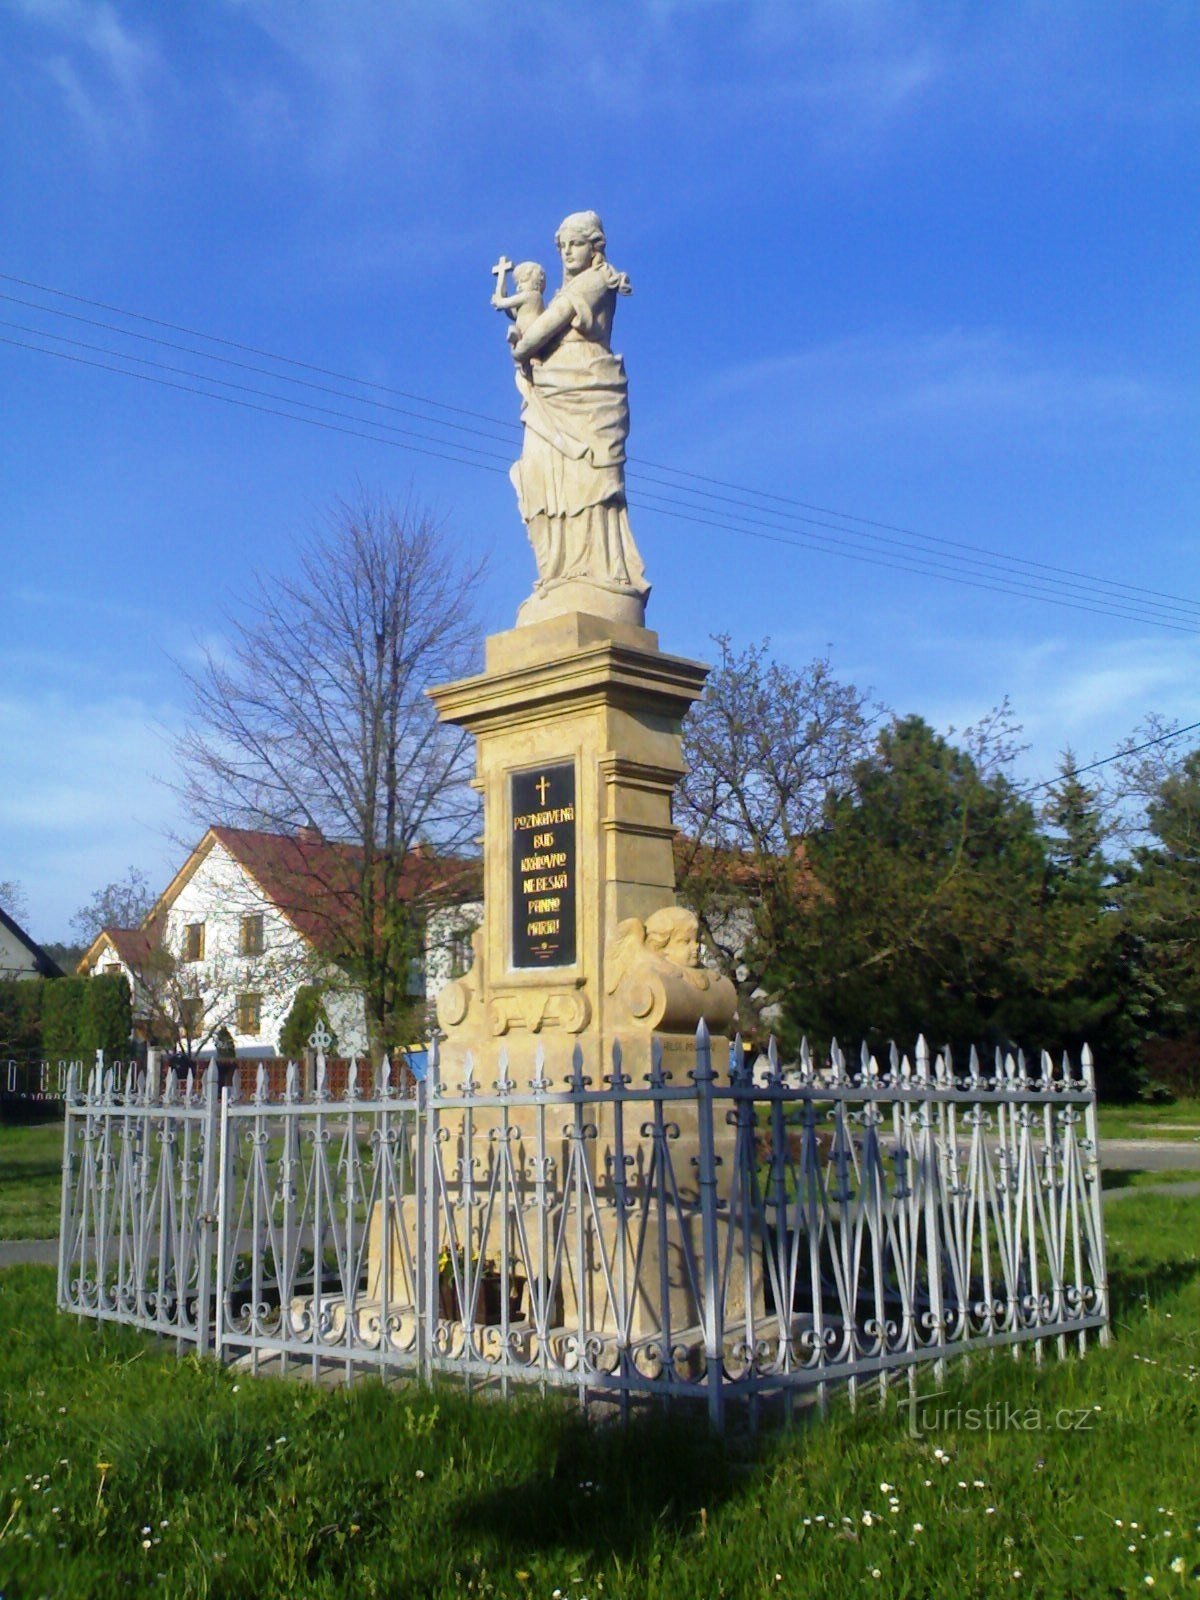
308	1008
1093	984
928	887
21	1016
64	1018
767	749
107	1021
1161	891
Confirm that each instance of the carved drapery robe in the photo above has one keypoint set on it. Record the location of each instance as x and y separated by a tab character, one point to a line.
570	480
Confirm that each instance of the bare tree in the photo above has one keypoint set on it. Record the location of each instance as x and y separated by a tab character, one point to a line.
317	718
767	748
12	899
184	1004
123	903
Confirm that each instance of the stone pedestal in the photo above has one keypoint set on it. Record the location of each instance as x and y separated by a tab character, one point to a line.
577	722
586	712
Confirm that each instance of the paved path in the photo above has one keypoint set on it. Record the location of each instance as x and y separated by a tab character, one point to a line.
16	1252
1149	1155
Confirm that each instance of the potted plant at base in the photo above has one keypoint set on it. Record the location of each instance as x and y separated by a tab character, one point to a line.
489	1301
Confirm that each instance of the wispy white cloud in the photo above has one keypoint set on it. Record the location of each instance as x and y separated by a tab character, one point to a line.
103	69
891	390
82	796
447	72
1086	696
947	371
116	608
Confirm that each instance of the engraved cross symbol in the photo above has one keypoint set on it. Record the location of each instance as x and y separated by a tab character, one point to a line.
541	786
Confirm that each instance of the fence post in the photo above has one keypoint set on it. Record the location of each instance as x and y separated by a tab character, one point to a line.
66	1209
428	1098
707	1162
209	1208
1092	1127
225	1205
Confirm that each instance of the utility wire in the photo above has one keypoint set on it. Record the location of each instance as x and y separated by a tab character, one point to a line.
248	405
249	349
664	506
1117	755
1011	567
1005	567
244	366
1187	610
244	388
918	562
921	570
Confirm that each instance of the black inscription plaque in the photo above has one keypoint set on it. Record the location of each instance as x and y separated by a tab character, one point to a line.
543	867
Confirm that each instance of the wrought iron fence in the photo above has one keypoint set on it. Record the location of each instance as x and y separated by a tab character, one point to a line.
730	1237
33	1081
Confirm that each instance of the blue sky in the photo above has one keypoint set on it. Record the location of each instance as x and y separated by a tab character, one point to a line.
930	265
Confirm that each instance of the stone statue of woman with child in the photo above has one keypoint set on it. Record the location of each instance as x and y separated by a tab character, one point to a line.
570	479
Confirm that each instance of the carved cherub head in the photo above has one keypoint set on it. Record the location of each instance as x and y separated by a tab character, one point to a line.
530	276
676	933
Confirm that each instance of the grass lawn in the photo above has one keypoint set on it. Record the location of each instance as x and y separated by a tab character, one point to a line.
124	1471
1179	1120
30	1181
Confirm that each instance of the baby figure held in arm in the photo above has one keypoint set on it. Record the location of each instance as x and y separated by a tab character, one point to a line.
526	303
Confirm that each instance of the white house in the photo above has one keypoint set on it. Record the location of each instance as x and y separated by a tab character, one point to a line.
243	923
21	956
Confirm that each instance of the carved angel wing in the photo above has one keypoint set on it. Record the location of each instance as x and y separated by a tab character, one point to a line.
624	947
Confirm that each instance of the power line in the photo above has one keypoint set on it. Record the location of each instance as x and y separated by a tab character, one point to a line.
244	366
1019	576
917	562
244	388
813	542
249	405
666	506
912	533
1186	609
1007	567
249	349
1117	755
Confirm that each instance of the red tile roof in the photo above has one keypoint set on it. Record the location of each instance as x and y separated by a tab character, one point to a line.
315	881
132	945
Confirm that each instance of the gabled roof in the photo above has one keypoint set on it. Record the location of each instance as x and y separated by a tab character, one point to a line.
42	964
314	881
131	946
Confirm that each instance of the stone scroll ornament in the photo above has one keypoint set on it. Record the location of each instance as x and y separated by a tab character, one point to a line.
653	969
463	1001
570	479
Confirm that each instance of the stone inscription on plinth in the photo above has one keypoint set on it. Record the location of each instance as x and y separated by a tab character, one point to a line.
543	873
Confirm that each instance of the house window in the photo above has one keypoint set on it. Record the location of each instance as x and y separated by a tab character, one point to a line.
249	1013
416	979
193	942
460	952
191	1017
252	935
111	969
